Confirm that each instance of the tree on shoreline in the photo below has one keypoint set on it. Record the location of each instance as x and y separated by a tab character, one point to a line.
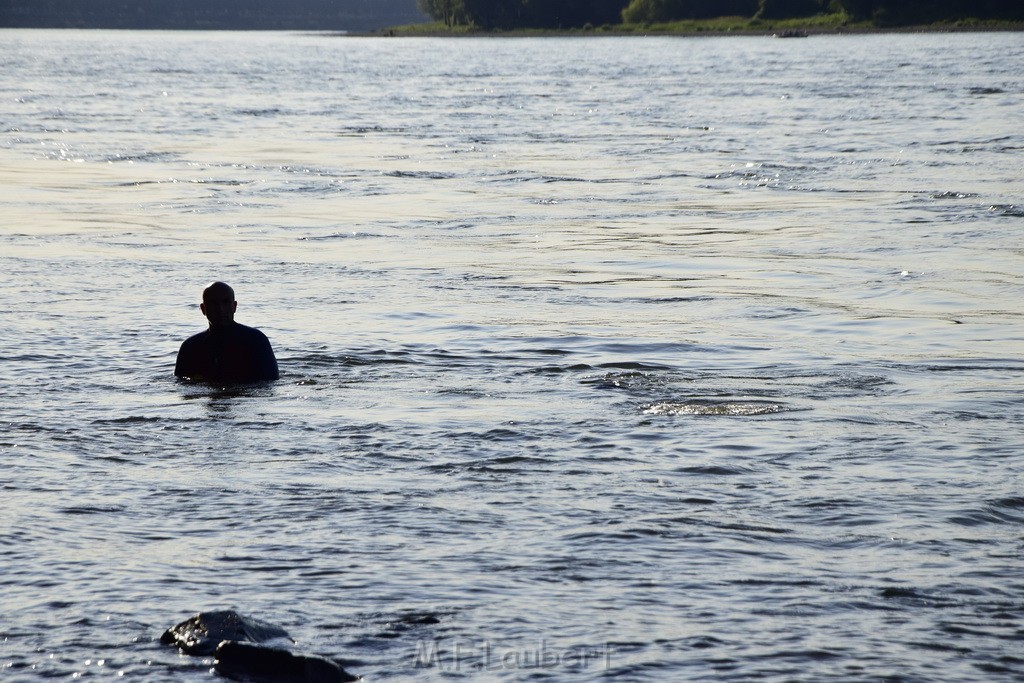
656	11
448	11
512	14
790	9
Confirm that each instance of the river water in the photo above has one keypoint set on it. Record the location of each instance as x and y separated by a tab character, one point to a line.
652	358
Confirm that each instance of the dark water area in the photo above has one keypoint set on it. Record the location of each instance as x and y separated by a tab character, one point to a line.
649	359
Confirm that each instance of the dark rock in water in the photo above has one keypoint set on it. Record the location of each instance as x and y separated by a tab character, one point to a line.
259	664
201	634
239	655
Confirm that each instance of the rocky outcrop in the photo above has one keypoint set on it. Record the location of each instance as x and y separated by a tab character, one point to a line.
251	650
201	634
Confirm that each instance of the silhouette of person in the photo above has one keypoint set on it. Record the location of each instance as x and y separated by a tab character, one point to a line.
228	351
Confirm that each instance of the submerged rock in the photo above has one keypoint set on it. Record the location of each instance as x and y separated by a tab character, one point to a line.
201	634
260	664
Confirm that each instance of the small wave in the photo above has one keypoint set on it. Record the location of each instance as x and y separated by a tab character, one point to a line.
423	175
914	596
727	408
990	515
633	365
396	624
497	434
558	369
1014	502
174	181
272	111
32	358
550	179
91	509
341	236
954	195
632	380
713	470
843	385
155	157
363	130
949	143
754	528
669	299
131	419
967	365
328	360
1008	210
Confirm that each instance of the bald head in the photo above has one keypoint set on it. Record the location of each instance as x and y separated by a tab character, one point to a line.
217	288
219	304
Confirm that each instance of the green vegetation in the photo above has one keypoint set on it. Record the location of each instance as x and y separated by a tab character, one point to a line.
710	16
818	23
517	14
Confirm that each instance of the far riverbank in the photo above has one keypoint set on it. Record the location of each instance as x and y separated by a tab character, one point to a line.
723	26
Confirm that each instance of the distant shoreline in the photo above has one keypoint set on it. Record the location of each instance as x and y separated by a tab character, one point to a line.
784	30
431	31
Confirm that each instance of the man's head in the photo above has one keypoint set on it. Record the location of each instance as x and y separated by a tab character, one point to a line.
219	304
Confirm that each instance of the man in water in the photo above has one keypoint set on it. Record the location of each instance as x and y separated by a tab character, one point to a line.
228	351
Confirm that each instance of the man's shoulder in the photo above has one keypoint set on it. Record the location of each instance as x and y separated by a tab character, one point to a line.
195	339
245	330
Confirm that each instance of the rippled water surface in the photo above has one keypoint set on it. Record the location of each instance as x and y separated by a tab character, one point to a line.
663	359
